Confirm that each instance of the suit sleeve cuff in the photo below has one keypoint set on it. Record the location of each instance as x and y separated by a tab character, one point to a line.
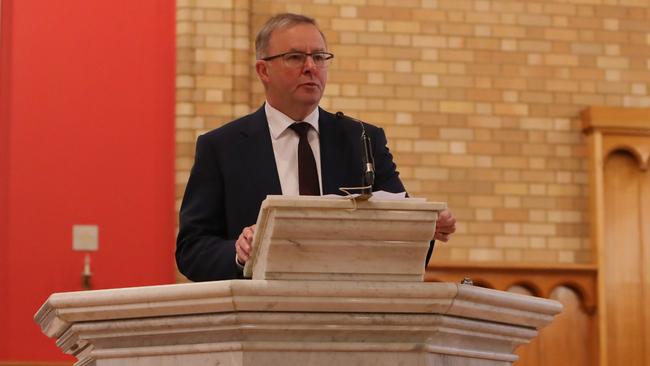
237	263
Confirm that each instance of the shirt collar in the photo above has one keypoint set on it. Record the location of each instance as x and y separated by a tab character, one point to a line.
279	122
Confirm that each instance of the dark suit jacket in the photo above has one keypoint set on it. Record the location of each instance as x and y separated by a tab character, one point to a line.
234	170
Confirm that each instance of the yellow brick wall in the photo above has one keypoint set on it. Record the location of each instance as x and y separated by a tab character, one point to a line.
479	99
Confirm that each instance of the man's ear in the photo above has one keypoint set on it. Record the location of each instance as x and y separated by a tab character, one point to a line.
262	70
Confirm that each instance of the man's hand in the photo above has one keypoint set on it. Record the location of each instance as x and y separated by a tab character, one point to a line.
244	244
445	225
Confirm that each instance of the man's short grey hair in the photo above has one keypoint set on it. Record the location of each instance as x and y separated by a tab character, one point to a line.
279	21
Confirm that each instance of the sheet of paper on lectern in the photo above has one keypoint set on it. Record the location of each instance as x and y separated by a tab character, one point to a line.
380	196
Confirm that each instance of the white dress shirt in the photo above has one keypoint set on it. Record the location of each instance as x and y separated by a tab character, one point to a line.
285	147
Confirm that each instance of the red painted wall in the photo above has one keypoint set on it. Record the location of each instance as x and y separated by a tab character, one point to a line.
4	165
88	138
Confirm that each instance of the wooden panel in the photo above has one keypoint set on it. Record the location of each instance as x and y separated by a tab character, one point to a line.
645	249
618	119
572	338
541	279
623	265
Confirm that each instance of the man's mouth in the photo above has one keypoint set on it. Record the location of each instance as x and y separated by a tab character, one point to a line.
311	85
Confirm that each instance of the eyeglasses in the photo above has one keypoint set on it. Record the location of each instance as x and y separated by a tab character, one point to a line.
298	59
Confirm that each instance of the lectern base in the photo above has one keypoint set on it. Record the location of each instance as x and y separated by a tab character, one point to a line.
307	358
302	323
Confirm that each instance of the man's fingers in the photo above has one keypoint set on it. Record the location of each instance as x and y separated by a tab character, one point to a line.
441	237
248	234
242	256
445	226
446	229
242	245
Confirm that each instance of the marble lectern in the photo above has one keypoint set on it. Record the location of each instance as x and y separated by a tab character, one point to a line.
334	282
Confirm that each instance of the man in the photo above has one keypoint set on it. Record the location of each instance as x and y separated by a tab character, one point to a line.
288	146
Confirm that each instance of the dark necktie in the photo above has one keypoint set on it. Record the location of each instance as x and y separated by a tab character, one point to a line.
307	172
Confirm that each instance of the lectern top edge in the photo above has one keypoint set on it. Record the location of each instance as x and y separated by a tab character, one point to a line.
345	203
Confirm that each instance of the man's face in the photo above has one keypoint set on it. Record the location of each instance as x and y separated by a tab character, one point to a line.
293	88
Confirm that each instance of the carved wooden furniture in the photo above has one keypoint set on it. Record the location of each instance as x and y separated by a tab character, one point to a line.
573	334
619	150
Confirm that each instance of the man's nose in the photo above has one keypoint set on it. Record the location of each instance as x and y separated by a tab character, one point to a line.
309	65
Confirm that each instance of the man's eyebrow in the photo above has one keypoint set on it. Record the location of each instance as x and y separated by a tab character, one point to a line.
301	51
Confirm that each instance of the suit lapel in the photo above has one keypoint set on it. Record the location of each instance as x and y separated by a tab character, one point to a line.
332	152
257	153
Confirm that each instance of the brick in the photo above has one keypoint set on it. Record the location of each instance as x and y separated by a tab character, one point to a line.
402	79
482	30
483	214
511	228
563	190
348	103
402	27
214	95
184	109
456	81
430	146
560	34
491	148
481	18
560	60
512	202
456	134
432	173
430	80
457	161
213	109
218	28
485	255
375	90
511	241
403	105
562	85
510	162
341	24
538	229
429	41
207	55
539	255
511	188
613	62
451	28
403	66
457	147
565	216
533	20
456	107
374	39
587	48
511	109
511	214
510	83
509	45
222	4
376	65
430	67
457	55
485	228
508	31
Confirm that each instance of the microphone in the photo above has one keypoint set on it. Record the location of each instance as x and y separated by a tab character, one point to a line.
367	158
